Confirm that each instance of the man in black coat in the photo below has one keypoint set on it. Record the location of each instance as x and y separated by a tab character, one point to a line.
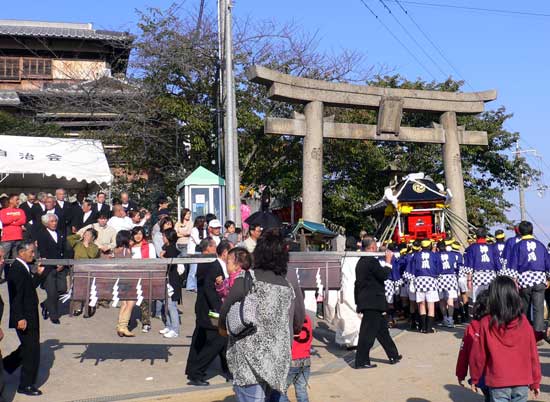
39	208
127	203
207	343
22	285
83	216
64	211
80	197
100	207
51	244
27	207
371	302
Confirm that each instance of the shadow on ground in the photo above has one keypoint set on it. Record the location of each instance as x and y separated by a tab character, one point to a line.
47	358
463	394
101	352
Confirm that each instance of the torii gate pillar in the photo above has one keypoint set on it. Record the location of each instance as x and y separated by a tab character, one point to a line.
452	165
312	183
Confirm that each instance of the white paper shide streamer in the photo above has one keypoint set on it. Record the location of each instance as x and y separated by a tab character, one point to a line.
115	300
139	292
93	294
318	282
170	290
64	298
298	275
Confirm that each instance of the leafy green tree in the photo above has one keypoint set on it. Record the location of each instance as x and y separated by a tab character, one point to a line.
173	129
169	119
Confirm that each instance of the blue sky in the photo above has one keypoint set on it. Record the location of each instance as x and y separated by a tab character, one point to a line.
505	52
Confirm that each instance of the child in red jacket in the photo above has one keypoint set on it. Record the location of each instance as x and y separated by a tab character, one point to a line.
298	375
480	310
505	349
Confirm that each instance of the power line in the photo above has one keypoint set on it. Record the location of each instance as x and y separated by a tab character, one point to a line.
539	227
477	9
534	222
413	38
398	40
540	157
436	47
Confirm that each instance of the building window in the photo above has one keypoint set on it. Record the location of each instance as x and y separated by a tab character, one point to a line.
37	68
9	69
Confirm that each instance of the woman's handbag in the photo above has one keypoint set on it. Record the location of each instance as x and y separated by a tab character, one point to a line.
241	318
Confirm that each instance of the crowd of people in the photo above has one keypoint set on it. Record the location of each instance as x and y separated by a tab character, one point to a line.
251	317
507	280
51	227
427	276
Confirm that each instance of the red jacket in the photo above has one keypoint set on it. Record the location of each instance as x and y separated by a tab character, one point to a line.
508	355
301	345
465	349
13	220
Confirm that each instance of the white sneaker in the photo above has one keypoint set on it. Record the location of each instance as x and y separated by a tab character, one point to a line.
163	331
145	329
170	334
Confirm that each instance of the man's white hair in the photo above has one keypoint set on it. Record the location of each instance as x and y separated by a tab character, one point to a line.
46	218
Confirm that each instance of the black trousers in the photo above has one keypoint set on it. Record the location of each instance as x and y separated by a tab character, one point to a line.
373	326
54	285
206	344
27	355
533	297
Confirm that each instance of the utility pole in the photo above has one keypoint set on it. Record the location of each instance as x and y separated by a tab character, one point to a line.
231	145
220	95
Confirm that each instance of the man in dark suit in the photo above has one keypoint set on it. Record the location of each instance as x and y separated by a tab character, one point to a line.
207	343
28	205
38	209
100	207
84	216
64	211
80	197
371	302
127	203
22	285
51	244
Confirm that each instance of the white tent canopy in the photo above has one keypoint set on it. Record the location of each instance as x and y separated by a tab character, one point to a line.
44	163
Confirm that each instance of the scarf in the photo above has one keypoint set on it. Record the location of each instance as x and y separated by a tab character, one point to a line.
144	249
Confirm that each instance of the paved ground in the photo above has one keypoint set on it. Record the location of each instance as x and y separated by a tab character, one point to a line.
84	360
426	374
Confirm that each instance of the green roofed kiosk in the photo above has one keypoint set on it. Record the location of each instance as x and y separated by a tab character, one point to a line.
313	236
203	193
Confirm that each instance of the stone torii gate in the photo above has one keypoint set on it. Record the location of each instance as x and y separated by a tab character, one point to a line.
390	103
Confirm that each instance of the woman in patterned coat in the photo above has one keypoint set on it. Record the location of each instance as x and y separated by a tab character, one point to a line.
260	362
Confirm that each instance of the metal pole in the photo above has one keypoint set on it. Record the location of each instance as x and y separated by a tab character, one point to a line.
220	100
230	124
521	190
228	114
